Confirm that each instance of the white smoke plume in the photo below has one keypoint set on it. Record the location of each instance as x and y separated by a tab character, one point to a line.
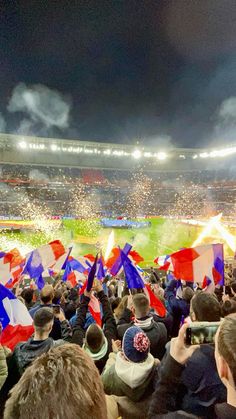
227	111
41	105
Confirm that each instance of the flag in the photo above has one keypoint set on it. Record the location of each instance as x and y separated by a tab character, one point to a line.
90	257
43	258
16	321
40	282
155	302
164	262
194	264
91	275
6	260
81	264
94	308
100	273
61	262
132	276
135	257
118	262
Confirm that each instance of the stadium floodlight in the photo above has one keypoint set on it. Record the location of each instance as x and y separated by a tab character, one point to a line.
161	155
182	156
23	145
53	147
204	155
136	154
195	156
107	151
147	154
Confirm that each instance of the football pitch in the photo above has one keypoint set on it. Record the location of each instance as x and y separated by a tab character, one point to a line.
164	236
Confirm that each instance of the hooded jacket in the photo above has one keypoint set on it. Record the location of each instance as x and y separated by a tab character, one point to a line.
124	378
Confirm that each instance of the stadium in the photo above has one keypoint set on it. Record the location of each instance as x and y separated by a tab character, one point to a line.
157	199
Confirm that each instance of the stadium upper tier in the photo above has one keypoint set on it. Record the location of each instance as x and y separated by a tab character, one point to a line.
23	150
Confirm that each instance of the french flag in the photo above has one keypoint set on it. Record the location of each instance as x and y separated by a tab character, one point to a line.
43	258
117	262
94	308
16	322
198	264
61	262
164	262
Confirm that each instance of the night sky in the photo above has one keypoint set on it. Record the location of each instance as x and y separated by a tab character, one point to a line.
149	71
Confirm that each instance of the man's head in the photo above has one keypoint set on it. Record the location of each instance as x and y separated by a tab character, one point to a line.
141	305
225	350
205	307
94	338
233	288
62	383
28	295
47	294
187	294
43	322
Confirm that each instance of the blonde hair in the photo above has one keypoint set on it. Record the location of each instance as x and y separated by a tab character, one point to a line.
119	310
64	383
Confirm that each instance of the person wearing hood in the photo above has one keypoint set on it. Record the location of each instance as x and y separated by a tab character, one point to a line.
96	341
130	371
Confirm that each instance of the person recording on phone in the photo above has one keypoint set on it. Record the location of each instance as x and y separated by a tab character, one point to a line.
224	354
199	385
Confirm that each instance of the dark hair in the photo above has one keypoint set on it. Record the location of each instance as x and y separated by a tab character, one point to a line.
228	307
27	294
47	294
94	338
227	343
42	317
115	303
206	307
57	297
188	294
233	286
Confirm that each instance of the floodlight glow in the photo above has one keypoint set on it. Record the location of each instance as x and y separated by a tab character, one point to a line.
161	155
136	154
195	156
204	155
108	152
53	147
23	145
147	154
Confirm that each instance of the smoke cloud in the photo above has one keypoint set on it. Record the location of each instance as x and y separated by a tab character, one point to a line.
42	106
35	174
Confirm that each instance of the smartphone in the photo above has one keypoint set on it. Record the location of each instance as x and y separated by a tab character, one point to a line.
200	333
56	309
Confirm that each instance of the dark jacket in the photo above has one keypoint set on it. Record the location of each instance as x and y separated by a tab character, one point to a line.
108	325
156	332
178	308
56	329
24	354
163	400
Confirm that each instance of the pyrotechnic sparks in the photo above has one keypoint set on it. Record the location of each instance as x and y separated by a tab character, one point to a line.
139	196
215	223
110	245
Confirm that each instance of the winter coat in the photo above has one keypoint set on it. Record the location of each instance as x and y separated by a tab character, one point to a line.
124	378
4	352
163	400
108	325
155	331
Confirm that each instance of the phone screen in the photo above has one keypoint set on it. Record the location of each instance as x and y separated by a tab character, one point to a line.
199	334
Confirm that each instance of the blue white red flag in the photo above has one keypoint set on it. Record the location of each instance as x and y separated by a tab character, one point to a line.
132	275
118	262
16	321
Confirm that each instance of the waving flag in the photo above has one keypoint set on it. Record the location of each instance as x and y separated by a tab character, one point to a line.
135	257
196	264
155	302
118	262
100	273
11	266
164	262
94	308
132	275
92	275
16	321
43	258
61	262
81	264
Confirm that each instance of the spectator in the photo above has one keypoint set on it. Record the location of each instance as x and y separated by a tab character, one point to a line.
199	385
25	353
121	307
225	349
155	331
46	301
154	278
63	383
130	372
4	353
98	342
228	307
233	289
28	295
178	307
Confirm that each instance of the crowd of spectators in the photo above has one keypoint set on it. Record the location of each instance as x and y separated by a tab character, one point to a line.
135	364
